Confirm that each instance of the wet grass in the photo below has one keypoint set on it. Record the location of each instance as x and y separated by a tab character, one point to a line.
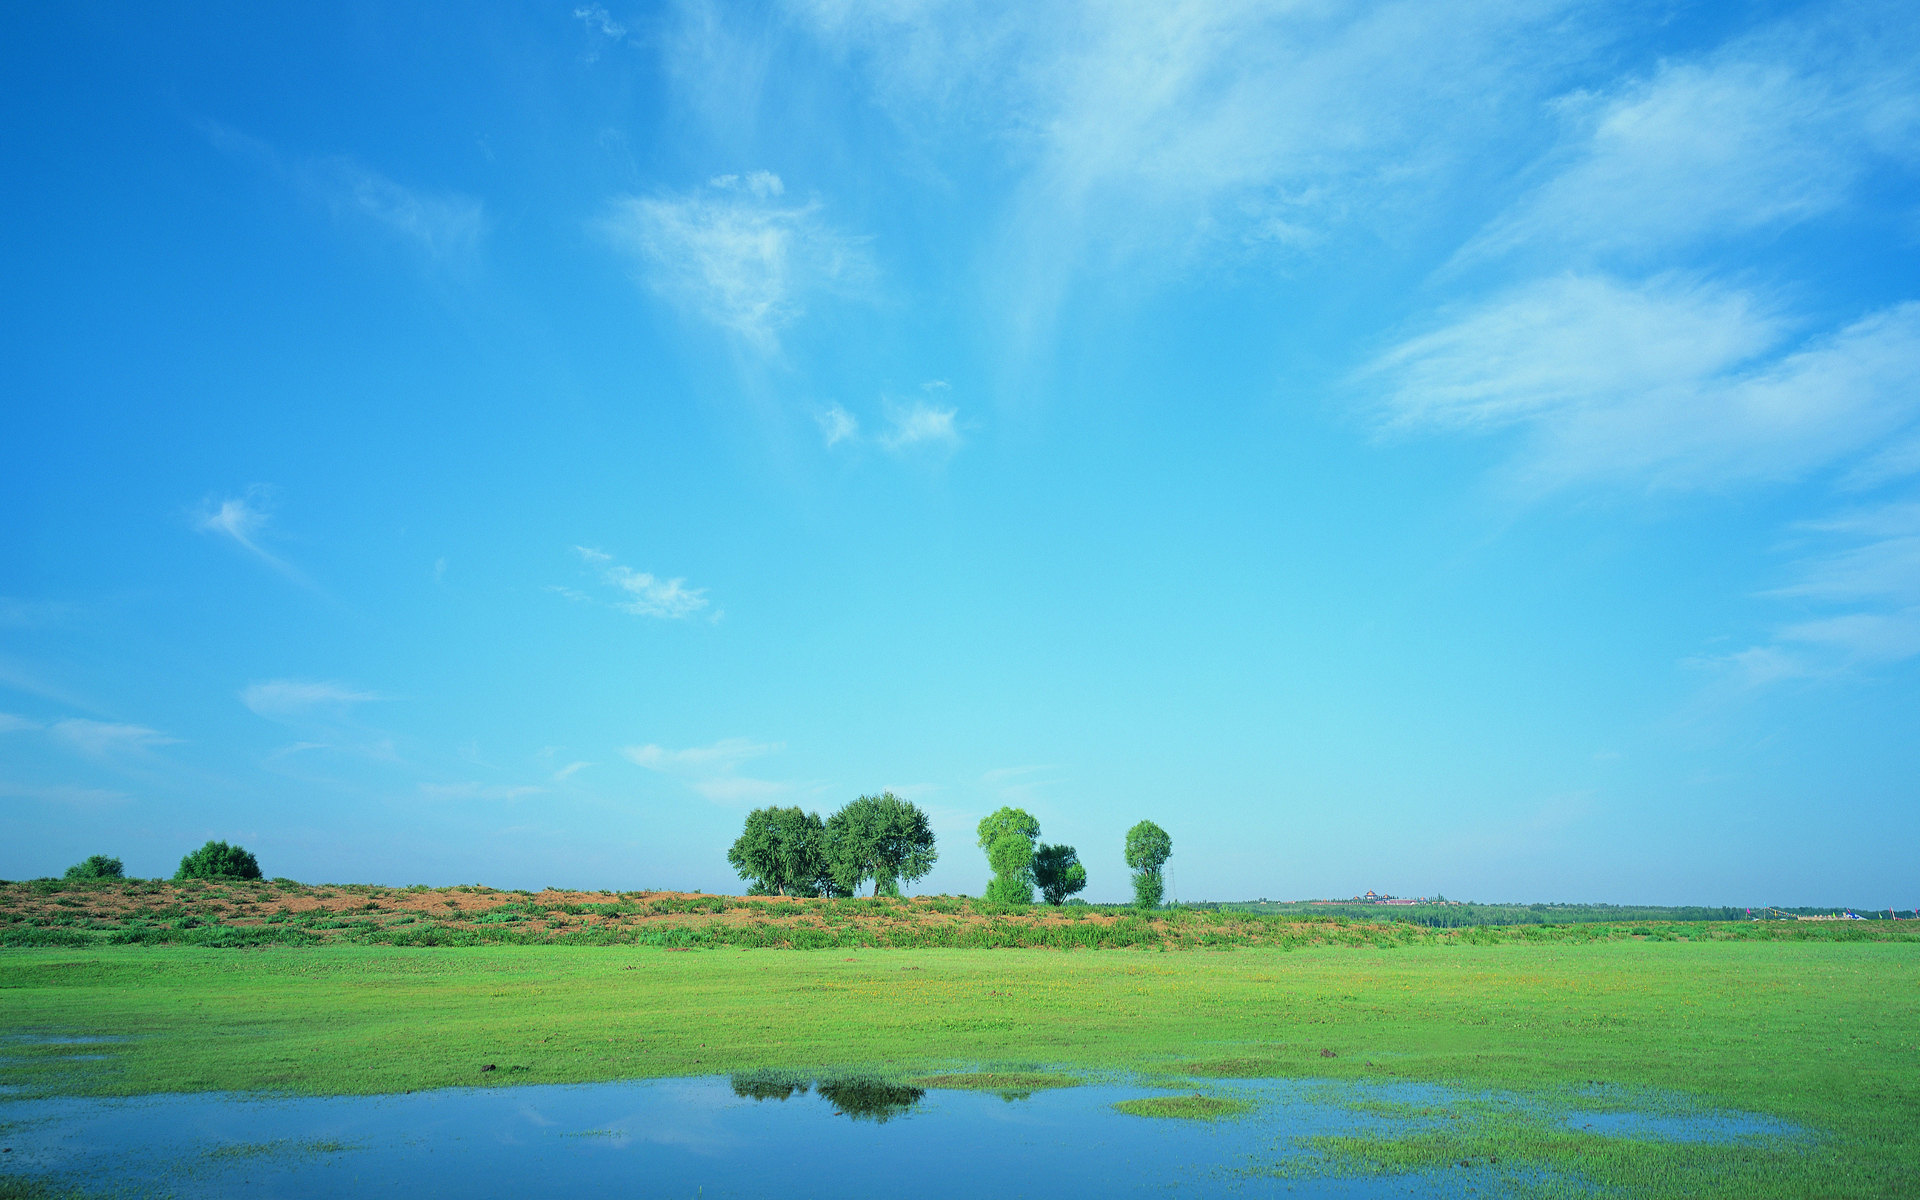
18	1187
279	1148
1818	1035
1005	1082
1522	1147
1187	1108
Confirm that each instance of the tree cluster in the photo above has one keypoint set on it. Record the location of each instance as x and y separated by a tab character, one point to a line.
1020	862
789	852
215	860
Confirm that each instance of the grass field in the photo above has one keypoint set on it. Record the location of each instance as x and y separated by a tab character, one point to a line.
1825	1035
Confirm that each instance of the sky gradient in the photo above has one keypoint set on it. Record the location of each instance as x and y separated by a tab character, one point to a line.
1466	449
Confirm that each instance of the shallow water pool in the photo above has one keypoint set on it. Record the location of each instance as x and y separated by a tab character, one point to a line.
747	1136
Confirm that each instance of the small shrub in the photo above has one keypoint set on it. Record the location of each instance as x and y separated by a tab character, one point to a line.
217	860
97	866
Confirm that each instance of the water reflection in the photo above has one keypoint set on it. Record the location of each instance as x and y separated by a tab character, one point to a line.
864	1098
827	1135
769	1085
870	1099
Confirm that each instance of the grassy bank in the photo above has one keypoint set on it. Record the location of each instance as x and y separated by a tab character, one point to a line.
1820	1034
78	914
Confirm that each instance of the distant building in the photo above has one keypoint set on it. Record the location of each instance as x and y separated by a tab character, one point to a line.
1373	897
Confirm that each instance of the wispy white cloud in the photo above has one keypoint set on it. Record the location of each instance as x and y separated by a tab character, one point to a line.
9	723
639	592
1877	557
653	597
31	679
1021	785
738	253
243	519
1705	151
599	20
837	425
916	423
1857	583
17	613
570	770
1173	132
1670	384
102	739
1779	126
713	771
447	227
84	797
473	790
1897	458
921	423
725	754
279	699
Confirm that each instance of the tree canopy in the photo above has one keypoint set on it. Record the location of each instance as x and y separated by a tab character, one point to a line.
97	866
883	838
1148	849
217	860
1058	871
1008	837
782	852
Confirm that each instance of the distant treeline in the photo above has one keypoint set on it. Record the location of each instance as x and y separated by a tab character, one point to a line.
1465	916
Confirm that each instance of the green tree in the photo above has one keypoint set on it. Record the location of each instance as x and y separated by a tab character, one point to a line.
217	860
97	866
782	852
1008	837
882	838
1148	849
1058	871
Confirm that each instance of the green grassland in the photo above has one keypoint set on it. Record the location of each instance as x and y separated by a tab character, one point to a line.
1824	1034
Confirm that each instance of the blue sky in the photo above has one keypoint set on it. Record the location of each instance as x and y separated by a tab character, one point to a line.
1466	448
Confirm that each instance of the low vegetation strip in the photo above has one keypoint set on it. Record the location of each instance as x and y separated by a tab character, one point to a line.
251	913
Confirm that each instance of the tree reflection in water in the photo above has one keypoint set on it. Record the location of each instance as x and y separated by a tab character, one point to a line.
870	1099
864	1098
769	1085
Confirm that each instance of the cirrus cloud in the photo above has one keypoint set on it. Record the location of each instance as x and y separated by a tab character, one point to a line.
712	771
738	254
281	698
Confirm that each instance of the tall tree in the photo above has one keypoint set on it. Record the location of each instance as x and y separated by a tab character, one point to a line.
1008	837
1058	871
883	838
1148	849
782	852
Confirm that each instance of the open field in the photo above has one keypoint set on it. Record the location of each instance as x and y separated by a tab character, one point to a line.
284	913
1820	1034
